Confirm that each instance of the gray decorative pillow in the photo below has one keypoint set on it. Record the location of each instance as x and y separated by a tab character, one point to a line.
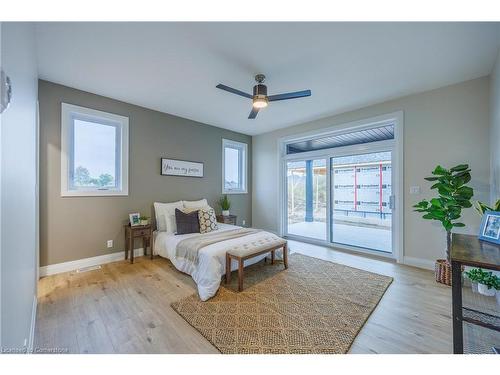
187	223
208	221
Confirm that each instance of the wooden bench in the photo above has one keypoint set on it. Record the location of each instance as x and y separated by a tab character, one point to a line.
243	254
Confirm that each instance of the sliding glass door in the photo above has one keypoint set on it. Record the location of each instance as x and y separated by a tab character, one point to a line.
344	198
307	198
361	201
341	186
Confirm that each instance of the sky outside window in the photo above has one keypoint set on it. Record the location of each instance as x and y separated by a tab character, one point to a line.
94	151
231	178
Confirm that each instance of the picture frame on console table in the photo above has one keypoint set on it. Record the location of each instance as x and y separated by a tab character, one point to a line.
181	168
490	227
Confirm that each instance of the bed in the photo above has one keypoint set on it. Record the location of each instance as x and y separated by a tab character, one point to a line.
211	265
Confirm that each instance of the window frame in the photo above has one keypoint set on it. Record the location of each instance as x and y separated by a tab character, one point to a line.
243	165
69	113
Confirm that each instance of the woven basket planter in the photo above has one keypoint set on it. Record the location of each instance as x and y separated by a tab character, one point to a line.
442	270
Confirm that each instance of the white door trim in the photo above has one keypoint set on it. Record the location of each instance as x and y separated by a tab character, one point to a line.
397	118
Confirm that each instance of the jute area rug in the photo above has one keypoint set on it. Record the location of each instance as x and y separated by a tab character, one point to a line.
313	307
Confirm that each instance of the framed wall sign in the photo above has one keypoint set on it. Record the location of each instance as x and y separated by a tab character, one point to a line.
173	167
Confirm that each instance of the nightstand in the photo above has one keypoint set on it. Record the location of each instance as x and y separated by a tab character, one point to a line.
137	231
231	219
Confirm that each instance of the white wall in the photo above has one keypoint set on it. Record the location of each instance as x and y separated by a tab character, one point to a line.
18	185
495	131
446	126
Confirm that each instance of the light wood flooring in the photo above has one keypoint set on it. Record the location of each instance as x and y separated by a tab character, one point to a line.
125	308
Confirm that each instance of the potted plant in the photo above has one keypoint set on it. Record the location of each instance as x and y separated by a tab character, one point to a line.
474	275
144	220
225	205
488	284
481	207
453	196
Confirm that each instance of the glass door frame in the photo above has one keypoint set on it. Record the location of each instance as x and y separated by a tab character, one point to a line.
327	187
374	147
396	148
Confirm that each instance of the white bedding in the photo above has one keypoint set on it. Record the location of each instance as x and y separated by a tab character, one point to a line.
211	265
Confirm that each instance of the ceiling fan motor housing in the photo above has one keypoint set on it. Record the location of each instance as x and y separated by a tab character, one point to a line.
260	90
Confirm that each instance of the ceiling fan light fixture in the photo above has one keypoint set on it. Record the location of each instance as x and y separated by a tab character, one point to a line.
259	98
260	101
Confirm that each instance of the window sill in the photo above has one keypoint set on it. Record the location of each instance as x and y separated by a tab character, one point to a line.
229	192
99	193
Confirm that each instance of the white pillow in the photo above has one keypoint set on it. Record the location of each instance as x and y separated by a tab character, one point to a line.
165	216
202	203
191	209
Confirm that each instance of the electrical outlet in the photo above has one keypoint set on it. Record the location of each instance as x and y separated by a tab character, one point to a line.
243	222
110	244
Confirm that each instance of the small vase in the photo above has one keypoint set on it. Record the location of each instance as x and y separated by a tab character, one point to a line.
144	222
483	289
225	212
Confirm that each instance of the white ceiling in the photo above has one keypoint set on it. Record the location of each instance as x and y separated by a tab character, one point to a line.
174	67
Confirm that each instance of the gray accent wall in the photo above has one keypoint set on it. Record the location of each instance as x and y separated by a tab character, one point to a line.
73	228
19	236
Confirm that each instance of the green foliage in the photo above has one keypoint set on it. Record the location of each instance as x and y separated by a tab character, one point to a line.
491	281
144	218
453	196
224	203
481	207
105	180
475	274
82	178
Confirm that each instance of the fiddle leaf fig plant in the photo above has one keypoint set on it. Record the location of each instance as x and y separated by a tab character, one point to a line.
453	196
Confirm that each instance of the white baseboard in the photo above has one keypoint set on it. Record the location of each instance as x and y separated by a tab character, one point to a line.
419	263
53	269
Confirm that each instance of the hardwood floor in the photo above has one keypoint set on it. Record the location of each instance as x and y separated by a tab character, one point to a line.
125	308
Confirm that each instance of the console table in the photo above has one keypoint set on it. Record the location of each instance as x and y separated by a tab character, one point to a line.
467	250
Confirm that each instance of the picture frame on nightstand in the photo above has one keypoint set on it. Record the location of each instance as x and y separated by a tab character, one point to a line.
134	219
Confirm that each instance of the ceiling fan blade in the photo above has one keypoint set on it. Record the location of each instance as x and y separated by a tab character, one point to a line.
234	91
290	95
253	113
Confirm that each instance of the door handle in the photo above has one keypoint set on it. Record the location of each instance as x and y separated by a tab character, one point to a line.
392	202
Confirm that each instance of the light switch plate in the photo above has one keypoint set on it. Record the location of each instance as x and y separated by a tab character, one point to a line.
414	189
110	244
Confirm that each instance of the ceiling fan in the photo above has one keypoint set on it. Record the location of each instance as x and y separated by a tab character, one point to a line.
260	99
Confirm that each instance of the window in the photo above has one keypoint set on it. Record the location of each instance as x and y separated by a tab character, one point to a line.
234	167
94	152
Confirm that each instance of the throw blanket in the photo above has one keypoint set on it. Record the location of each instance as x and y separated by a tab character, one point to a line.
189	247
